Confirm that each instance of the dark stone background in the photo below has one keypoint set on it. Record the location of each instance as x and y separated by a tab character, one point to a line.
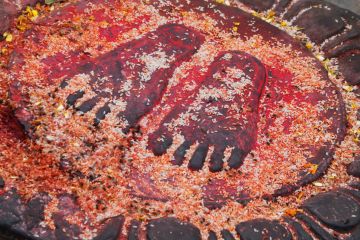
353	5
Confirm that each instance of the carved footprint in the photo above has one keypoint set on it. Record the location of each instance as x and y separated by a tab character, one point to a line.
135	74
222	112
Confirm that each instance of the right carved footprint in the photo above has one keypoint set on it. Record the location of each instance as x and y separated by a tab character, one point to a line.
222	112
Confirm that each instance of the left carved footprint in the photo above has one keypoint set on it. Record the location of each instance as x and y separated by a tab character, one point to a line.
222	112
135	73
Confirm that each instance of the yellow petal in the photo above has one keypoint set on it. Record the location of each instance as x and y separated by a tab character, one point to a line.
309	45
283	23
256	14
104	24
4	51
271	13
354	105
35	12
8	37
320	57
28	9
348	88
60	108
313	169
292	211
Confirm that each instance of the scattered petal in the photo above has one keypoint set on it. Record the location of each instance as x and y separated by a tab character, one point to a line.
318	184
8	37
284	23
312	168
309	45
348	88
292	211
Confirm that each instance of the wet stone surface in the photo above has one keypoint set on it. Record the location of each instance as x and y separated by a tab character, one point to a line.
322	21
111	230
334	209
171	229
354	167
261	228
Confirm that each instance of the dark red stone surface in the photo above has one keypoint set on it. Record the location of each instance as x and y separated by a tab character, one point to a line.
334	210
142	99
